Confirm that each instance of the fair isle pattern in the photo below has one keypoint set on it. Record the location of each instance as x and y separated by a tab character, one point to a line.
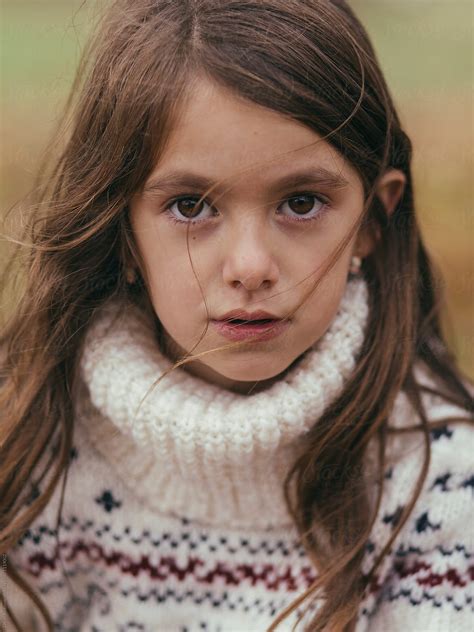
171	576
179	575
119	563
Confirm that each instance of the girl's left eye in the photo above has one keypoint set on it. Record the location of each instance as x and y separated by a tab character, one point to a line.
301	207
303	204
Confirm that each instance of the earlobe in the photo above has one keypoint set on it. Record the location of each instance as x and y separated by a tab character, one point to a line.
365	242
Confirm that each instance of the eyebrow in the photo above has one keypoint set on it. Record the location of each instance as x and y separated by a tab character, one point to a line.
170	182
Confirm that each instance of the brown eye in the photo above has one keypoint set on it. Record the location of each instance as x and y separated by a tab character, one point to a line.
188	207
302	204
187	210
303	207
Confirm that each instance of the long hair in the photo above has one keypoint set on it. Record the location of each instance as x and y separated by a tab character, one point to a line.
310	60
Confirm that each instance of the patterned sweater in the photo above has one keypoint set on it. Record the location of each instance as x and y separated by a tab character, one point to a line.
174	518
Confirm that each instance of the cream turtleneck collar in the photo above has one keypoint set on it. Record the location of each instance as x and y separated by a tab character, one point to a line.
192	448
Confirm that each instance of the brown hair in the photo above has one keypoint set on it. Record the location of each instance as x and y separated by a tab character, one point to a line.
307	59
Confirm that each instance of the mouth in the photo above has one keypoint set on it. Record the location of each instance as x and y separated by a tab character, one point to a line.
257	330
261	321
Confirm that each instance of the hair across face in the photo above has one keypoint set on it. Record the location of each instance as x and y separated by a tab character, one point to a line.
290	86
284	201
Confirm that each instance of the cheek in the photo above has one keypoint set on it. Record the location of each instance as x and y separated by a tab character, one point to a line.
175	296
310	261
168	274
322	303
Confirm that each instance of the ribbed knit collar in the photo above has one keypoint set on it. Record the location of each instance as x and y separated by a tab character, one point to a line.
193	449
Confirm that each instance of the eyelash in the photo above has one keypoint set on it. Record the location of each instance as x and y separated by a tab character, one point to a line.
319	197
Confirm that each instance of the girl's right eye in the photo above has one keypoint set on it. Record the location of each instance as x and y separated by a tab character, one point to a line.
188	209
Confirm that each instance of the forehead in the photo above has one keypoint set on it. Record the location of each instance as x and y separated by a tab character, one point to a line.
225	136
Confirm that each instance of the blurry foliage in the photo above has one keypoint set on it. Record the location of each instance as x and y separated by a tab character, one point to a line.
425	48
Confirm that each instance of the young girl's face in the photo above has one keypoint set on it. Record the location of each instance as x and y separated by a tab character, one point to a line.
258	242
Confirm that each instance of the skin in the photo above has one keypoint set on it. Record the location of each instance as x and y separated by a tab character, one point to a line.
248	252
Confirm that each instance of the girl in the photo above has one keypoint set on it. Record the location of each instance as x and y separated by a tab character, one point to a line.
227	400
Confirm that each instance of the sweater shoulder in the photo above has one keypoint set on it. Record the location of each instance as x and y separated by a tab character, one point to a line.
448	439
438	457
426	577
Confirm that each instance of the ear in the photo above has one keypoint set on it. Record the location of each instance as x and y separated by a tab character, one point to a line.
389	191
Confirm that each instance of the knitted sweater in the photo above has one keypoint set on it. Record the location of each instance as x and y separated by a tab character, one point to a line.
174	518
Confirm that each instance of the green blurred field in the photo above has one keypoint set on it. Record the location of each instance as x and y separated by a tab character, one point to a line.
425	48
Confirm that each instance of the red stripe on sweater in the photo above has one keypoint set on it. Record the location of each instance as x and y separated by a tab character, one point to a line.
431	578
452	576
267	574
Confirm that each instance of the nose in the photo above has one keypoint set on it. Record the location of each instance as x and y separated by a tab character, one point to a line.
250	259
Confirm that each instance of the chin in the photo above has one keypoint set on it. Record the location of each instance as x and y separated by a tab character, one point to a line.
249	373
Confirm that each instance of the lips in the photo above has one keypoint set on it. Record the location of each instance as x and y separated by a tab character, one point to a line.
263	321
241	316
255	326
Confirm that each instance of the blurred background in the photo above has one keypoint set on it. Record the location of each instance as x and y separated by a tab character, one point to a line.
425	48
